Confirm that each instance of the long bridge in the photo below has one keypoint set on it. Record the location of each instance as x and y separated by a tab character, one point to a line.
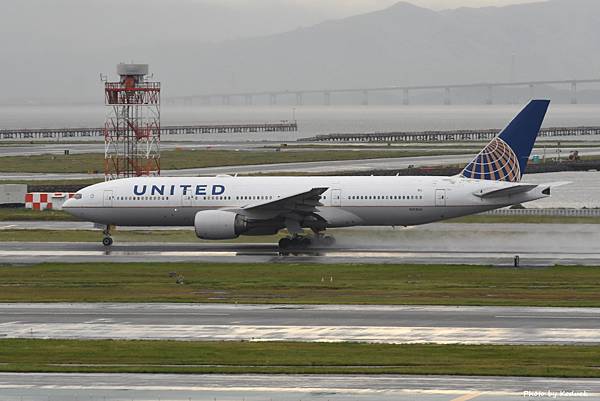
297	95
58	133
447	136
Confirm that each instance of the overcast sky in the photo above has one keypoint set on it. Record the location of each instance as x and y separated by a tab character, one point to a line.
67	43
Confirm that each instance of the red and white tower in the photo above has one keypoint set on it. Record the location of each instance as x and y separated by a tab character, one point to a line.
132	127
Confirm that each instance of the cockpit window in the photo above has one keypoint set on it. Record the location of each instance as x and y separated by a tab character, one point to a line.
77	196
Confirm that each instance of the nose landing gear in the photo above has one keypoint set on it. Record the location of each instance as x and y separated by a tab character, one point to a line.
107	240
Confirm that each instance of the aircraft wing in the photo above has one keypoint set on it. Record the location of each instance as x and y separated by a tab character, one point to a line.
299	204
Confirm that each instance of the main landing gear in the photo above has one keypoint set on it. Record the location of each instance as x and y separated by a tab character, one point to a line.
300	242
107	240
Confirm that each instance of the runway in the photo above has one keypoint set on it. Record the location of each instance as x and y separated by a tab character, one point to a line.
82	147
28	149
442	243
136	387
313	323
37	252
357	166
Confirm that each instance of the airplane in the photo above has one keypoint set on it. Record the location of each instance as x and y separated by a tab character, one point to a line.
225	206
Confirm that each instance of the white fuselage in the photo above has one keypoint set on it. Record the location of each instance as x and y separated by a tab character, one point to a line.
348	201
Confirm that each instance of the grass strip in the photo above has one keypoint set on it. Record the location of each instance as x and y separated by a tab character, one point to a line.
60	185
296	283
157	236
181	159
22	214
117	356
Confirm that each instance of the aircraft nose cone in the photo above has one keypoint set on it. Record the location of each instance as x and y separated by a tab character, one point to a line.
68	203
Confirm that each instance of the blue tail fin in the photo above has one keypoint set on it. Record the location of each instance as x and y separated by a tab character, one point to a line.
505	157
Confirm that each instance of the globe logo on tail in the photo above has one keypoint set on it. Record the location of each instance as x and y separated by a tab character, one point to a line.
497	161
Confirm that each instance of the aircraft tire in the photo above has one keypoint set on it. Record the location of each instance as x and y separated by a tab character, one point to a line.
304	242
285	243
107	241
328	241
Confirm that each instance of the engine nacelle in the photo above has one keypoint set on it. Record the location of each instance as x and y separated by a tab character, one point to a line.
219	224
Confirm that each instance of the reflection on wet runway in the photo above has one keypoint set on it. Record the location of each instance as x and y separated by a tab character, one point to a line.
312	323
269	252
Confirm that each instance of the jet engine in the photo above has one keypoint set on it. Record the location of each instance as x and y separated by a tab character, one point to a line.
219	224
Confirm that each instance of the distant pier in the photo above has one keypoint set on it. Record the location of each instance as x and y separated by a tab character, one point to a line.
444	136
59	133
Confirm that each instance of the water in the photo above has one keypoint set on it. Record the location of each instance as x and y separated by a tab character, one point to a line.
312	120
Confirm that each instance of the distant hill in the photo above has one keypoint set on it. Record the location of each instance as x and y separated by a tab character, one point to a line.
57	49
403	44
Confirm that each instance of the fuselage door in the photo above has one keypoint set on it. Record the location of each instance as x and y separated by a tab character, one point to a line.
186	200
107	201
336	197
440	197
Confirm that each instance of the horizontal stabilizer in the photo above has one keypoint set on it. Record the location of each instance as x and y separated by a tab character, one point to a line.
506	191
